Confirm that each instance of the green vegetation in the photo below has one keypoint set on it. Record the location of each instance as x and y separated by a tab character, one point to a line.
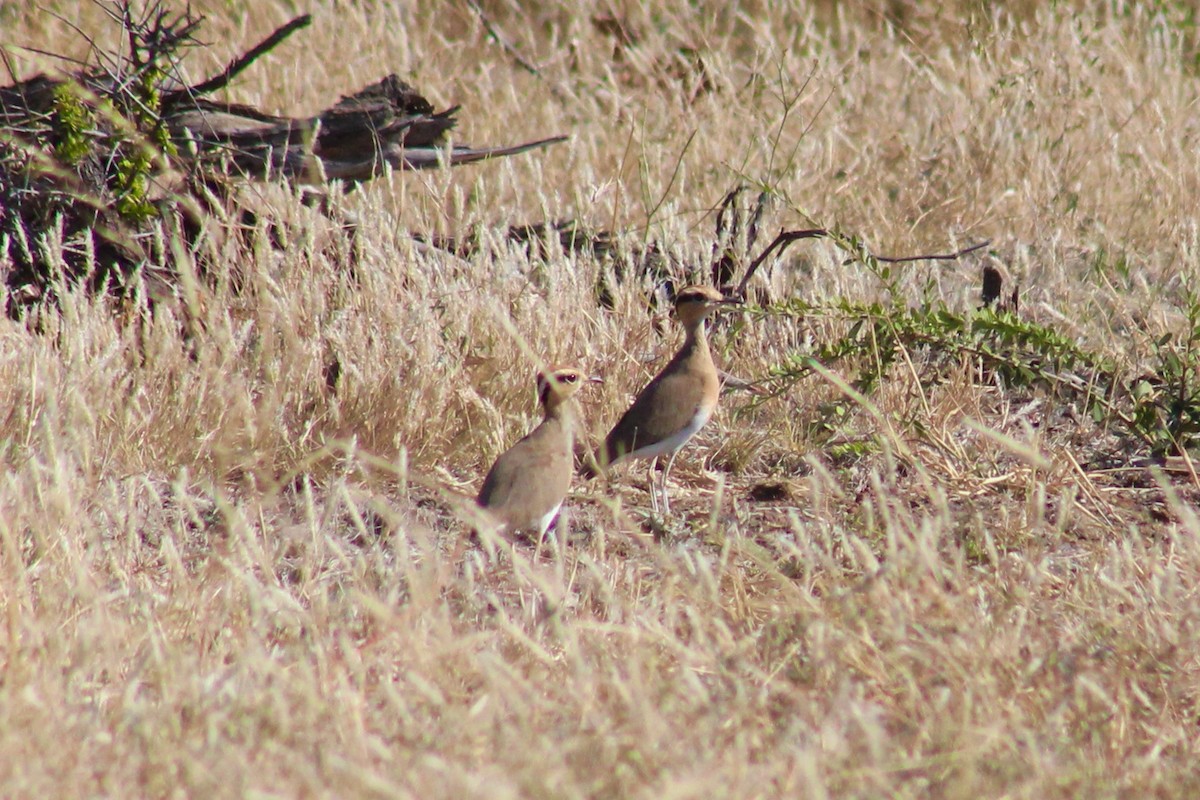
1161	408
127	143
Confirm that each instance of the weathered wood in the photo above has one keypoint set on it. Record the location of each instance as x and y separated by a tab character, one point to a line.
385	125
85	159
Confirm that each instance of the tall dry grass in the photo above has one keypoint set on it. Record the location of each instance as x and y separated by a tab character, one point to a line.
223	578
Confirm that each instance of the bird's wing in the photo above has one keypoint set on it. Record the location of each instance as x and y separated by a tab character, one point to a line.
653	418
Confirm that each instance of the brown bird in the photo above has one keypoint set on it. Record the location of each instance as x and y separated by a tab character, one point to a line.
525	488
678	401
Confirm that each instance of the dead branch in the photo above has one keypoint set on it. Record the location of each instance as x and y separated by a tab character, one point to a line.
239	64
934	256
728	229
512	50
785	238
502	40
781	243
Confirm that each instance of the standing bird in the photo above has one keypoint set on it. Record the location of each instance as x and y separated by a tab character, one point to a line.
680	399
525	487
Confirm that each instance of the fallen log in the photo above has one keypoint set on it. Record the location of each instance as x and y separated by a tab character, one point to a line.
385	125
99	158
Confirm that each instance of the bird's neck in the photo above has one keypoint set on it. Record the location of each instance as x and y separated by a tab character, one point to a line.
558	410
695	341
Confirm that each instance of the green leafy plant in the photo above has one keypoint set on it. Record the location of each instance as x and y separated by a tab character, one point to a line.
121	128
1162	409
1166	402
72	120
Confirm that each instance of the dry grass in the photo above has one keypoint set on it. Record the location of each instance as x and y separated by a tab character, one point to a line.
223	579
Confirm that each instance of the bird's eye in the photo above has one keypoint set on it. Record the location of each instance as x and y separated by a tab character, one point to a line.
570	377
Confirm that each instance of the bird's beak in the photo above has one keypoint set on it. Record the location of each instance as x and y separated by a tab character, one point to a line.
595	379
732	301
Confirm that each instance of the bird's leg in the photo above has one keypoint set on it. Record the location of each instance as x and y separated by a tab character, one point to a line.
666	472
549	531
650	485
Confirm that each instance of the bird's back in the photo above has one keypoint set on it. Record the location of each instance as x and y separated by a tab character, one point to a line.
530	479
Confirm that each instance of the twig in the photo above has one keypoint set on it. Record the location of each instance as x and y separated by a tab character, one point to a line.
239	65
727	232
8	64
132	36
61	57
508	47
671	182
785	238
760	206
512	50
781	243
726	236
936	257
92	47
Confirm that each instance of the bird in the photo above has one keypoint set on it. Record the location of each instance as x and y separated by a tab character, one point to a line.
678	401
525	487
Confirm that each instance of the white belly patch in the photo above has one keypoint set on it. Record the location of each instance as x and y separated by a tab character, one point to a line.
543	524
675	440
